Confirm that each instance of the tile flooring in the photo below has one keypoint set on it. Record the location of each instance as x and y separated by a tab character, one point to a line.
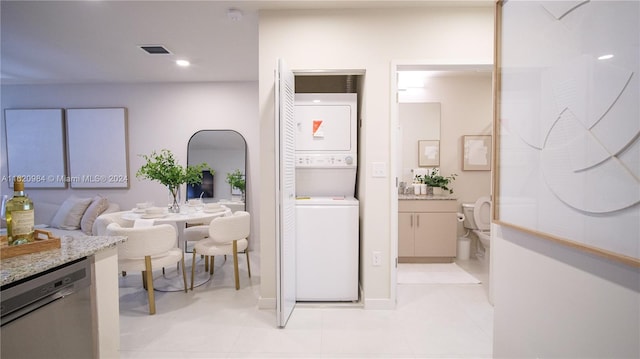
216	321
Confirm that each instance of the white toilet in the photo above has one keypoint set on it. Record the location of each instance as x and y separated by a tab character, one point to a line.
477	217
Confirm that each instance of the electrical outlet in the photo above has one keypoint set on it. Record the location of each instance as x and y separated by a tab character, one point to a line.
377	258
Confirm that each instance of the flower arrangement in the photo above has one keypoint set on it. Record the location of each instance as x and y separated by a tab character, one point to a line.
434	179
164	168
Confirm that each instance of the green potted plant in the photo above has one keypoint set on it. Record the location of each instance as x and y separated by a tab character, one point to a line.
164	168
434	179
236	180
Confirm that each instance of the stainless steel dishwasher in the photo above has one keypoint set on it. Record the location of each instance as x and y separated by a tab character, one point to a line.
48	315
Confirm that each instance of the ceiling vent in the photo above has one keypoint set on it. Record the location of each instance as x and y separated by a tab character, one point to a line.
155	49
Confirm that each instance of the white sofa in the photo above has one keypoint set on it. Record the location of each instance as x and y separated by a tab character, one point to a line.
45	214
101	223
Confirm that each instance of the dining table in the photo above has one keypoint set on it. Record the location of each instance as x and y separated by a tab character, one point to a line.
180	220
171	280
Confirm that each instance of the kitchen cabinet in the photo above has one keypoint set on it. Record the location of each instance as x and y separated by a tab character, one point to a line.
427	230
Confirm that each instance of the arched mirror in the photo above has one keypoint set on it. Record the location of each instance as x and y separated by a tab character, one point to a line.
226	153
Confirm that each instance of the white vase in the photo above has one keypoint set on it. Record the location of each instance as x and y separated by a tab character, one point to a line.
429	190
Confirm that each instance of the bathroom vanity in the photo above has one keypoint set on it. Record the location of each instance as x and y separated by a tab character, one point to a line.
427	228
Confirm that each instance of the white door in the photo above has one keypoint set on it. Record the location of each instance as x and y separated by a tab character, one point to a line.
285	194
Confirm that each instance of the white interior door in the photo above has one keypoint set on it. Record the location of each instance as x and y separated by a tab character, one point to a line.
285	194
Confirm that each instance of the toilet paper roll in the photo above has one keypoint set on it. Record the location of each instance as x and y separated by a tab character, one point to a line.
460	216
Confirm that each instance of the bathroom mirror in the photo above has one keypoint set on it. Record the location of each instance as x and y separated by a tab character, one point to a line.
224	151
419	123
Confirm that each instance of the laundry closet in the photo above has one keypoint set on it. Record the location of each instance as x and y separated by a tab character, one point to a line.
327	207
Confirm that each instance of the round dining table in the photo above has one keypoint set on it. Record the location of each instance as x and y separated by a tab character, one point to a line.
171	280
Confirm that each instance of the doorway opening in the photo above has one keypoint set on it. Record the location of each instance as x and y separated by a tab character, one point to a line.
463	98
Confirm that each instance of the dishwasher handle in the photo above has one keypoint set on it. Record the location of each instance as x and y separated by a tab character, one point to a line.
31	307
40	290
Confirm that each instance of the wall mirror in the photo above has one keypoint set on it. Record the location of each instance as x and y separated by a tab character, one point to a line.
419	125
225	151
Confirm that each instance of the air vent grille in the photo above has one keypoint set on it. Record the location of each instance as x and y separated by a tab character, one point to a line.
155	49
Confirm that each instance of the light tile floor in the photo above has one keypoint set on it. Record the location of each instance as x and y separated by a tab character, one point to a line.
216	321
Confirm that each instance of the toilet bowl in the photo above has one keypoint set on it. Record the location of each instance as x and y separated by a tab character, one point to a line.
484	237
477	218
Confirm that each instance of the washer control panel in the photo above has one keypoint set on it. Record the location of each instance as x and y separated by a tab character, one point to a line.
324	161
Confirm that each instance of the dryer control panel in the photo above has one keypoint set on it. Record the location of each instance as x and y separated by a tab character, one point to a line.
325	161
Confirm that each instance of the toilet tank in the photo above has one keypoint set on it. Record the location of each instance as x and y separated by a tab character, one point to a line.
467	210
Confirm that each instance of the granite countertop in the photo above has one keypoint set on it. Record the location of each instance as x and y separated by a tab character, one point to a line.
444	197
71	248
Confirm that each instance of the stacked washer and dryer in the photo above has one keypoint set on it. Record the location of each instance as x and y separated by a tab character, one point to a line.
327	212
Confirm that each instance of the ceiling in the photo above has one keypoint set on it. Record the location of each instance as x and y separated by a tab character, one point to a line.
96	41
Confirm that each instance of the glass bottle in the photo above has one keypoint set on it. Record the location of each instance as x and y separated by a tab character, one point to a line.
20	215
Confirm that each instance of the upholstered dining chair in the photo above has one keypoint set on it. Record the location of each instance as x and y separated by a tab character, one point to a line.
147	248
227	236
194	233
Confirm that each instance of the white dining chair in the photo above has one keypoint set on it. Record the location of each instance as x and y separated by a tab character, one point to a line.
227	236
147	248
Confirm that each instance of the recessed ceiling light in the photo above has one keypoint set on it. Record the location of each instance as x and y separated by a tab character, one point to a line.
605	57
183	63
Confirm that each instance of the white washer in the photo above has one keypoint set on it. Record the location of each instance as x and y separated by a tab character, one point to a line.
327	249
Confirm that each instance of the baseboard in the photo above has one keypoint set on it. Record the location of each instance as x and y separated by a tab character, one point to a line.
426	259
383	303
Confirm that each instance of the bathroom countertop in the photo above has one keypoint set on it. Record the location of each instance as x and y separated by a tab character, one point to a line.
426	197
71	248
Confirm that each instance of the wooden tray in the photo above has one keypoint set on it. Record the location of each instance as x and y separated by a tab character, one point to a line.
44	241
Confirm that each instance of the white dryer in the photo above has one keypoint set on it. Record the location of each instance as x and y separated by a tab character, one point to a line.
326	144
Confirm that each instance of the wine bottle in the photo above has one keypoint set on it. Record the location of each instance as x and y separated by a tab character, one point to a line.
20	215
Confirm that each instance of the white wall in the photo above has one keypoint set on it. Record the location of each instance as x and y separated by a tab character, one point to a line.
369	40
159	116
552	301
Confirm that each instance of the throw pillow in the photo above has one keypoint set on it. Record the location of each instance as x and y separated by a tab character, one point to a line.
70	213
96	208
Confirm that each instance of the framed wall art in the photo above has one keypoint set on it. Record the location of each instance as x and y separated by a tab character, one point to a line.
428	153
35	147
97	147
476	153
567	131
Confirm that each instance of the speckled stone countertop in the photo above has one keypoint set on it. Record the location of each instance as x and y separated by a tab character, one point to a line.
71	248
426	197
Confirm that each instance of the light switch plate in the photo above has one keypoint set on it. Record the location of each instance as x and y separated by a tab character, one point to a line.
379	169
